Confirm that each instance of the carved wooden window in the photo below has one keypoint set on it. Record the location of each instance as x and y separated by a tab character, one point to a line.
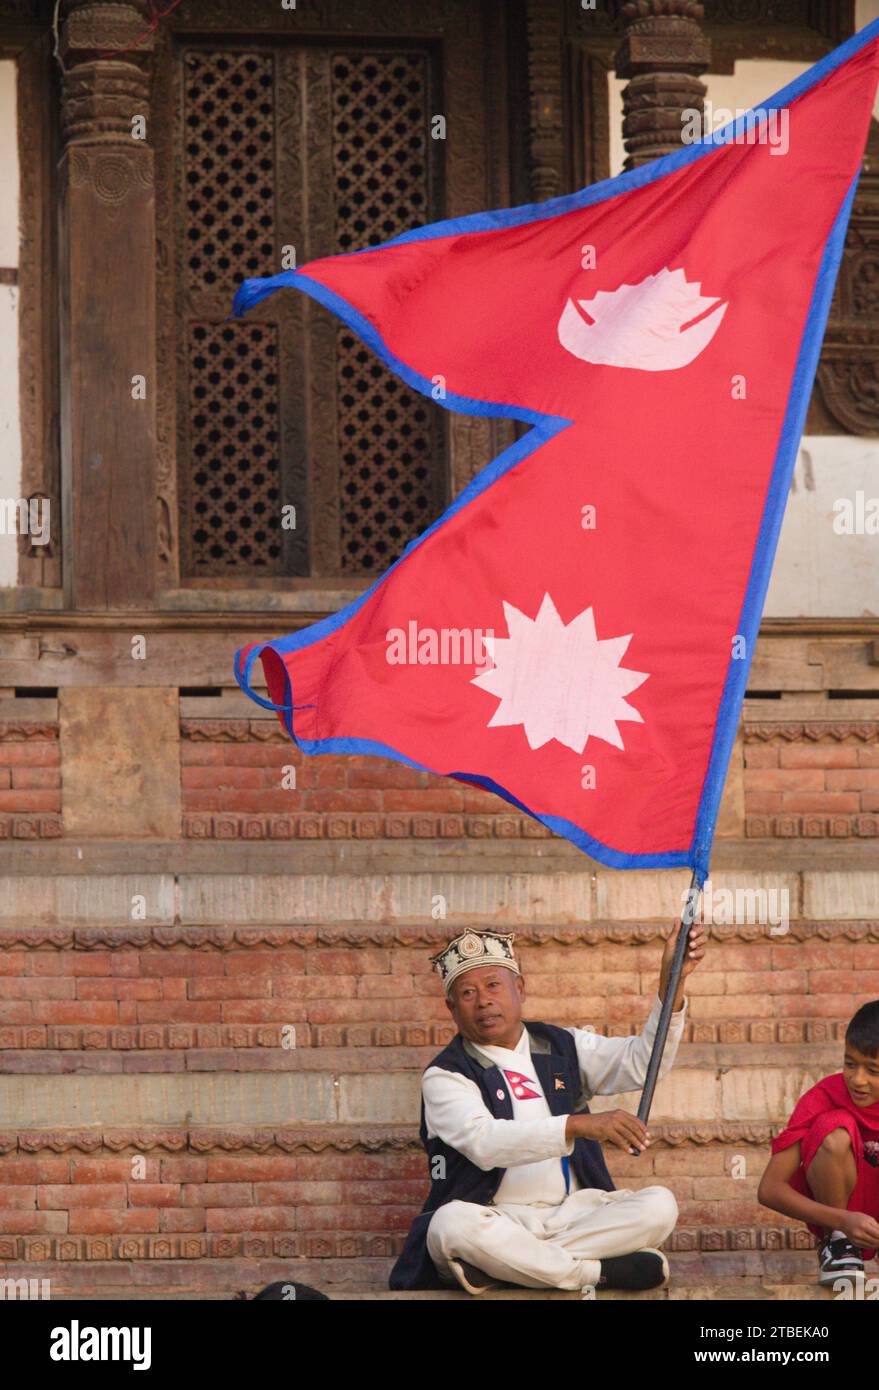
284	150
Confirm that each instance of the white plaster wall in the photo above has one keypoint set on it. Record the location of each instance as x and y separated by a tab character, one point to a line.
817	573
10	422
8	166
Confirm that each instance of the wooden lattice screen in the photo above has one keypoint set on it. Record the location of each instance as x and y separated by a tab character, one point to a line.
362	117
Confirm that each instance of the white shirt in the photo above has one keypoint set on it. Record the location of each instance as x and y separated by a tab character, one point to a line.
531	1145
542	1183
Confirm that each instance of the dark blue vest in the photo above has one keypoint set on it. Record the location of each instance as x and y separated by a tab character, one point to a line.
554	1054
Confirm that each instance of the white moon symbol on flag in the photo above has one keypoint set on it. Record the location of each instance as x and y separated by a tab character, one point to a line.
559	682
642	326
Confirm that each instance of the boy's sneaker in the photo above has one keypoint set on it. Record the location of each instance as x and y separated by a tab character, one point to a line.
838	1259
643	1269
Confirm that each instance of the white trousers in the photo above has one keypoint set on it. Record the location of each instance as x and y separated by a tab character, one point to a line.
544	1247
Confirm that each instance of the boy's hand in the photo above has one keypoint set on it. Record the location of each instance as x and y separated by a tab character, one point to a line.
695	951
861	1229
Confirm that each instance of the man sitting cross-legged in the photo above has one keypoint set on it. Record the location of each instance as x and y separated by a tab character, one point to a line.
519	1189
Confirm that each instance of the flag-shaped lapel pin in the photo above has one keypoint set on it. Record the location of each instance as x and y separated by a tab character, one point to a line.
575	632
521	1086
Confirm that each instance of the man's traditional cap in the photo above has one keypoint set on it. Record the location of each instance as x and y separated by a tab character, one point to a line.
472	949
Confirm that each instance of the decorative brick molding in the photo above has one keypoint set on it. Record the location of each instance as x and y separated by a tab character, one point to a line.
270	731
219	1042
320	1246
339	1245
864	731
313	1139
231	826
222	938
812	827
30	827
24	731
292	1139
723	1238
219	1039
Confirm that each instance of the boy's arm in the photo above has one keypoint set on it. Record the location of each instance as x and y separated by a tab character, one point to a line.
775	1192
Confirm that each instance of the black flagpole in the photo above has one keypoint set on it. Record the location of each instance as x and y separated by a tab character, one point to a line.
674	980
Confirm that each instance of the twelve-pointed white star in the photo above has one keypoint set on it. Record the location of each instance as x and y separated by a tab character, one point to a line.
559	682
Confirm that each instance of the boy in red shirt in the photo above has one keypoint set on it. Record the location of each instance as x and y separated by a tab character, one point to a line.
824	1168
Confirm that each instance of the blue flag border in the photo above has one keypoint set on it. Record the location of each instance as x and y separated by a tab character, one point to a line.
251	291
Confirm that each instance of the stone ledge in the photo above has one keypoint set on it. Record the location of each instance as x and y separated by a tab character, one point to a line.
707	1088
556	900
309	1139
749	1290
102	856
59	1059
366	1280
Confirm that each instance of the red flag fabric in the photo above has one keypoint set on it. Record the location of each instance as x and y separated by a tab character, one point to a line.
575	632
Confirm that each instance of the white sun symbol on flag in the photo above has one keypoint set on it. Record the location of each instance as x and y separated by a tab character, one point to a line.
559	682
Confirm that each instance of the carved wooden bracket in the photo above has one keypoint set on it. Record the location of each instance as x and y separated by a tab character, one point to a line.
847	388
663	52
101	93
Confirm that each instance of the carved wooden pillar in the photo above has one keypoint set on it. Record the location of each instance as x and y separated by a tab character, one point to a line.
663	51
546	123
107	271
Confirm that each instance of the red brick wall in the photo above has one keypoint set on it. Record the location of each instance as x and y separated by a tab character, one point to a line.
277	1198
30	781
813	780
800	780
224	997
218	1196
216	999
231	774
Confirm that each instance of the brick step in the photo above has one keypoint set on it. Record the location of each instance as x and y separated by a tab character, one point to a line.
729	1276
752	1290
